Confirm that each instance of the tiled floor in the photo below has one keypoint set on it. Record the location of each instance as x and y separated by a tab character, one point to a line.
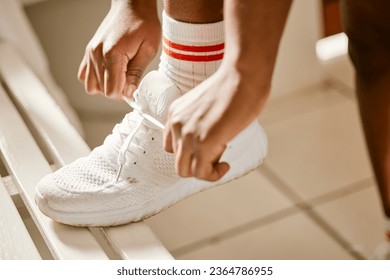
313	198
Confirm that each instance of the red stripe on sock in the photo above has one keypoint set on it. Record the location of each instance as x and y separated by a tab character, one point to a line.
193	58
387	234
186	48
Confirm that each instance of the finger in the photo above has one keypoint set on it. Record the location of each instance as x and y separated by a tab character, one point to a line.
98	65
219	170
209	169
82	70
176	135
115	76
184	157
136	69
90	83
167	142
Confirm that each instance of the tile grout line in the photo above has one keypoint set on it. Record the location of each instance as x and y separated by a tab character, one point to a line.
237	230
308	210
342	192
341	89
346	190
268	219
334	234
326	85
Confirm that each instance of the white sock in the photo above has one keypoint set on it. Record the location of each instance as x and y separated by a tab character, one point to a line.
191	52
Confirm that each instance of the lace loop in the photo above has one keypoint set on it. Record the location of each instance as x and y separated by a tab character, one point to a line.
141	121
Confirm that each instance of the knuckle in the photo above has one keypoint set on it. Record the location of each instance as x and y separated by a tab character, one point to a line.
176	124
135	73
150	49
109	54
188	134
188	130
88	49
94	49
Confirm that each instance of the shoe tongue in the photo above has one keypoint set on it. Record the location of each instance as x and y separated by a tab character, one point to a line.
155	94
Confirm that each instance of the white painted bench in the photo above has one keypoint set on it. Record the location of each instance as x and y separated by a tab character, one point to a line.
35	138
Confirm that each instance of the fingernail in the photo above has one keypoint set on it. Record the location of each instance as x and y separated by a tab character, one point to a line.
130	90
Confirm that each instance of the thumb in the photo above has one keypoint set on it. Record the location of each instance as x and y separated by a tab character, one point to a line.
135	70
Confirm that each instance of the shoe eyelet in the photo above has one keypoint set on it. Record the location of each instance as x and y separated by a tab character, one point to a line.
152	138
144	152
135	162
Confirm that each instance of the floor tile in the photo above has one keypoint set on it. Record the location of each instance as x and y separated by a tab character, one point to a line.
357	218
292	238
297	103
319	151
341	69
216	210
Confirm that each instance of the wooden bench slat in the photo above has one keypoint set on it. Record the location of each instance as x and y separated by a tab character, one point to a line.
52	125
15	241
137	241
66	145
27	165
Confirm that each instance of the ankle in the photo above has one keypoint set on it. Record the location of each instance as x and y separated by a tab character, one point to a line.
191	52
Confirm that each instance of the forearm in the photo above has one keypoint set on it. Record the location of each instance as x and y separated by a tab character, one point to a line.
253	30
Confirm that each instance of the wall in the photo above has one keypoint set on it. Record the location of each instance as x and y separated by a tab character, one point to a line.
64	28
297	65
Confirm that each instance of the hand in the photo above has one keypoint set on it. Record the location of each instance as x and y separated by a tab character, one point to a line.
121	49
204	120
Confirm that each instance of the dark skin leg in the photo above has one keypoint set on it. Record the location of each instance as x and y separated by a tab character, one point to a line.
367	25
198	11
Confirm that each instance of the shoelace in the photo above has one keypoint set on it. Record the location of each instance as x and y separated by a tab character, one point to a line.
144	116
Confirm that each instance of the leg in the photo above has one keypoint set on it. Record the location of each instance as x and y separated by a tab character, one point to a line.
189	24
199	11
368	28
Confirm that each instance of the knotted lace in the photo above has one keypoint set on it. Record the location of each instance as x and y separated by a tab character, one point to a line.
138	108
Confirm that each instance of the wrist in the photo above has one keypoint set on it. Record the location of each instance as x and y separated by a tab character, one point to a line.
254	66
248	84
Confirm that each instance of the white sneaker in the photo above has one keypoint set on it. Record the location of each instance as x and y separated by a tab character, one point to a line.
92	191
